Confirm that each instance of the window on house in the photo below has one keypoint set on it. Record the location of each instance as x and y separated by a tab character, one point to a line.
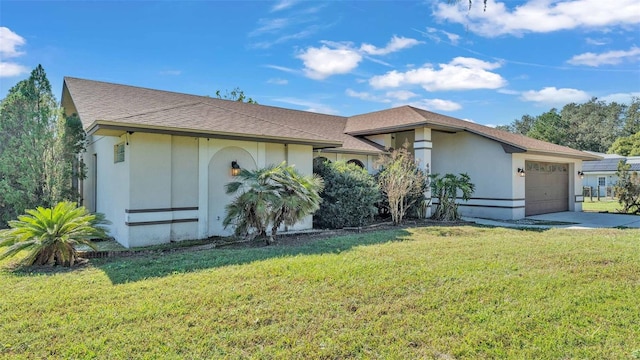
118	153
602	181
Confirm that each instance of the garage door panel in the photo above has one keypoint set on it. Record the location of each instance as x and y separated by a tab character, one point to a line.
546	187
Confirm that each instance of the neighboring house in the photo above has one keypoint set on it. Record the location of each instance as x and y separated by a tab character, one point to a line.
600	175
158	161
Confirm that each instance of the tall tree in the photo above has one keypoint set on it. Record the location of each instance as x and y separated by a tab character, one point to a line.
632	118
27	120
592	126
521	126
549	127
235	95
35	147
626	145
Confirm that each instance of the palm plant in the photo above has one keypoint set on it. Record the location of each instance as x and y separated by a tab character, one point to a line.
50	235
298	197
445	189
270	197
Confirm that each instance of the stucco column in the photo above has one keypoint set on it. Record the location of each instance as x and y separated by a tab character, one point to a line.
203	188
422	153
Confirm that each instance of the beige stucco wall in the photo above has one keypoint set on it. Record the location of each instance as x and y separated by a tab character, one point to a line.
163	189
171	188
275	154
489	167
108	195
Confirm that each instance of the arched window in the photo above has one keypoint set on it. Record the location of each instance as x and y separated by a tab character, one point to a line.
356	162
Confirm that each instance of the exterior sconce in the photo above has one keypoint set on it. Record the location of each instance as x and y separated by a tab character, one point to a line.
581	174
235	168
521	172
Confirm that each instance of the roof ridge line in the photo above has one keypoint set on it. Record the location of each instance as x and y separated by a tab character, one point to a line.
147	112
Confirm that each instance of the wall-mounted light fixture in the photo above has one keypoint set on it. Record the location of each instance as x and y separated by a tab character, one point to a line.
235	168
581	174
521	172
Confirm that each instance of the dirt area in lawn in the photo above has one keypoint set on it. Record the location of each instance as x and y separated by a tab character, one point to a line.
110	248
304	237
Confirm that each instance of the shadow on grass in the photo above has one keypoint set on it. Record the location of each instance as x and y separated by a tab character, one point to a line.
131	269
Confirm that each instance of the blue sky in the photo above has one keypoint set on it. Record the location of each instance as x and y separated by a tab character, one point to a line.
346	58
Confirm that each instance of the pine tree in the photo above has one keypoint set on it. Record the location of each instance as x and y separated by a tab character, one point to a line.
38	148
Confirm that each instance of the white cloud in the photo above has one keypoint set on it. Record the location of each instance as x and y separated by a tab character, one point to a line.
399	98
171	72
342	57
323	62
508	92
287	25
283	68
540	16
401	95
395	44
436	104
388	97
270	26
309	105
283	4
553	96
9	69
596	42
9	44
460	74
284	38
432	33
607	58
363	95
278	81
453	38
620	98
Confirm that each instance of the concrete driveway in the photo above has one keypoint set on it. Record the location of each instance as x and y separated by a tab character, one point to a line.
576	220
591	220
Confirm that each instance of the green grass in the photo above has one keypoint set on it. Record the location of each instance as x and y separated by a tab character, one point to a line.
612	206
438	292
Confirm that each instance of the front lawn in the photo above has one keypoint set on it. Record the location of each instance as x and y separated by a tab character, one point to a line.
436	292
608	205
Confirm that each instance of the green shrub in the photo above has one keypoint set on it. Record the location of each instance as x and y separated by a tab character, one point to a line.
51	234
403	184
627	189
349	196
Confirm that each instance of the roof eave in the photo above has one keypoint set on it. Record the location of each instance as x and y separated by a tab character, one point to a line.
110	129
396	128
586	156
340	150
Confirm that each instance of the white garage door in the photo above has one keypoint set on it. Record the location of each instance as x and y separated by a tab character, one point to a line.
546	187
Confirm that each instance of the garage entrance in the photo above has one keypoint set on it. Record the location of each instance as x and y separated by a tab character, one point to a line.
546	188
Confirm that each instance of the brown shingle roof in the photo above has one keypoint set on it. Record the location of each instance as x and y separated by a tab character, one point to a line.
112	107
106	105
408	117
